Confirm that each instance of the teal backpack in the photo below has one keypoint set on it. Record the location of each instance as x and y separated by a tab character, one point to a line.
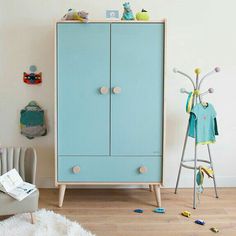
32	121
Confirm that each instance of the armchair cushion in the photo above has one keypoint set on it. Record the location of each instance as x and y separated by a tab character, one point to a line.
10	206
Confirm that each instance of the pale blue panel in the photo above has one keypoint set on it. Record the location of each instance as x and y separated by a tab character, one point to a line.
137	54
105	169
83	67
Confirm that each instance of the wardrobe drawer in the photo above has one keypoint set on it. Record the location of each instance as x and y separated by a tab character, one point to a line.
109	169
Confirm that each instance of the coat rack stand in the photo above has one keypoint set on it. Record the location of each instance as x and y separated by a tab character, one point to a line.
197	97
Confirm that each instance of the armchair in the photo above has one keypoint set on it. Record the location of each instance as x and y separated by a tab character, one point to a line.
24	161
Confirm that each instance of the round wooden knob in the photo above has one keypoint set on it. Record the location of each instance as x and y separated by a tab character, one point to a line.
103	90
116	90
76	169
143	169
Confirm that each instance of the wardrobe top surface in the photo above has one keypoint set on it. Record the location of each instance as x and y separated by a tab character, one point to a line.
112	21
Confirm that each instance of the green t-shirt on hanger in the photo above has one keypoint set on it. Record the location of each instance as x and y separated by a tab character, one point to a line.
203	124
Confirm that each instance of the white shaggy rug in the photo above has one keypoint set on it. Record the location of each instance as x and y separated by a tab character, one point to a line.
47	223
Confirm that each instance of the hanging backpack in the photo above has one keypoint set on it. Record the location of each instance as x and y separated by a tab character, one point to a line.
32	121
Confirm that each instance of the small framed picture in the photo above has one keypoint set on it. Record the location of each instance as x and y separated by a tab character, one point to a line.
112	15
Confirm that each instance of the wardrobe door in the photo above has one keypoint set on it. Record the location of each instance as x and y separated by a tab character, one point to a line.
137	81
83	68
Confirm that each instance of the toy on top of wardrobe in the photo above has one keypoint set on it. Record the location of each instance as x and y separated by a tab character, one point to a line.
72	14
128	13
143	15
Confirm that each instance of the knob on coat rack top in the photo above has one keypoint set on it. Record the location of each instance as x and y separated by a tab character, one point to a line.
197	71
211	90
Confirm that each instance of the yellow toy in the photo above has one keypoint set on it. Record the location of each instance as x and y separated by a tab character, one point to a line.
186	214
143	15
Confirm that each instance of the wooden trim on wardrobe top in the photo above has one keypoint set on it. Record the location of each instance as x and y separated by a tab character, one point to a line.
112	21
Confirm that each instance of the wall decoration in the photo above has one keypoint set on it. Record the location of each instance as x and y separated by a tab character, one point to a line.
32	77
32	121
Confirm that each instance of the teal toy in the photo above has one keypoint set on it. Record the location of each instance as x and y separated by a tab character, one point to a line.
159	210
127	14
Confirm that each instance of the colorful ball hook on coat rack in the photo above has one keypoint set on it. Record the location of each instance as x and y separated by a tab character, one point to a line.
32	77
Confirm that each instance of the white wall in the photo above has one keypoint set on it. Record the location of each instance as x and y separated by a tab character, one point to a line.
200	34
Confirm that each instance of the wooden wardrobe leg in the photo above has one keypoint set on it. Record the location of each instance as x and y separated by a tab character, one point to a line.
157	189
151	188
32	218
62	189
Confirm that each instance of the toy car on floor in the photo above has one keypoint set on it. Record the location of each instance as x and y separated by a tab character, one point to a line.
186	213
215	230
159	210
200	222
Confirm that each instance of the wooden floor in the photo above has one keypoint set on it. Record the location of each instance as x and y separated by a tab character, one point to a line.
110	212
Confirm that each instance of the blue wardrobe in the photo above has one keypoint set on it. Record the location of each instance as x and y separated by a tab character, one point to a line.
109	104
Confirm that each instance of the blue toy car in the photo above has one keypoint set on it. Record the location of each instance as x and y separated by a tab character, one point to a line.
159	210
200	222
138	210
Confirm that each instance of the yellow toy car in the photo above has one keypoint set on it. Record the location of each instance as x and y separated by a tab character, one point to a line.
186	213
